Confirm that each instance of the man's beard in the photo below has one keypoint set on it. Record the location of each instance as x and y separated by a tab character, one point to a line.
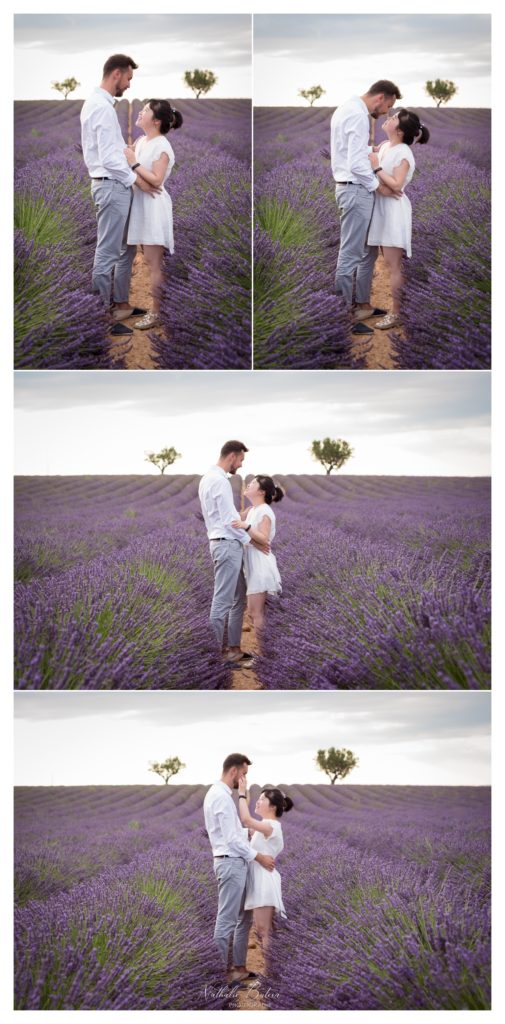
119	92
375	115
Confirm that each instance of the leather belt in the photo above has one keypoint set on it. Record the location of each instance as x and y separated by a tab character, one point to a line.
105	178
222	856
218	538
348	183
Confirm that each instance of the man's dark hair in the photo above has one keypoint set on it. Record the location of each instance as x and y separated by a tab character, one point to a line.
388	88
235	761
118	60
232	446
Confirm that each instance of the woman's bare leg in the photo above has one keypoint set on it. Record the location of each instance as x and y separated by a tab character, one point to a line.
263	919
153	255
393	260
256	609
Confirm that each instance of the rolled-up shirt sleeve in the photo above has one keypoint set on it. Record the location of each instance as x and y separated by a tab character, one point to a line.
358	162
109	153
234	838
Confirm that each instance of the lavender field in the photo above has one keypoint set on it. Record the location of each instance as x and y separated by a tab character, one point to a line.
299	321
386	585
206	301
386	890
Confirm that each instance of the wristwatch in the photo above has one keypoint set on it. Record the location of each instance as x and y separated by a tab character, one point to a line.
374	170
248	528
242	797
134	166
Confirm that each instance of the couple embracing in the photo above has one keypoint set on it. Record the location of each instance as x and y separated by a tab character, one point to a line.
132	207
245	568
244	849
370	193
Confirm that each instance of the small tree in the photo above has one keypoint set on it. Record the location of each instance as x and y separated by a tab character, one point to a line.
442	90
314	93
66	87
167	768
336	763
332	454
166	457
200	81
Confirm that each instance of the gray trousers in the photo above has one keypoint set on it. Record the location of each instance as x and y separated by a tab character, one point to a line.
229	600
112	255
232	919
355	206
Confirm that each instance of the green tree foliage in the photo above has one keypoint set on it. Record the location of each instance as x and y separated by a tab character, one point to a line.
314	93
442	90
167	768
332	454
336	763
66	87
166	457
200	81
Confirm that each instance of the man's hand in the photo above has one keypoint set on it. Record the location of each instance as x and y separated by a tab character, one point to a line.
266	861
146	187
374	160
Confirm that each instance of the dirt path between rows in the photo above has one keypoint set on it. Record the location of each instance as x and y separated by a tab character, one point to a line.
250	998
140	354
380	354
246	678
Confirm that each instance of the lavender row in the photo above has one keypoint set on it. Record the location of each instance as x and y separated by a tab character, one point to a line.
206	294
391	912
447	286
388	588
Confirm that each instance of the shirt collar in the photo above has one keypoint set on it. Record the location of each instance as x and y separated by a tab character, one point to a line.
219	469
103	92
362	104
224	784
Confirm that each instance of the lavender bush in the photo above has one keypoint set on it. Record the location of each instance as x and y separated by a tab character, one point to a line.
299	322
206	295
386	585
386	890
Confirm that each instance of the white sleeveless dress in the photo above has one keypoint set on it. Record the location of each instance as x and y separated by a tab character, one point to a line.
151	221
261	572
263	888
391	222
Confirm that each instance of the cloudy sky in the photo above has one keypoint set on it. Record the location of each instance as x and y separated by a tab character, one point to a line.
345	53
431	738
406	423
52	47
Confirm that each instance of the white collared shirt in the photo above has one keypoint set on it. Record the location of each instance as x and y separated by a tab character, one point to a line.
216	499
350	131
102	141
226	834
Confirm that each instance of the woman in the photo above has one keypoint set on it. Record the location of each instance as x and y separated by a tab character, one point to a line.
263	888
261	572
391	224
151	222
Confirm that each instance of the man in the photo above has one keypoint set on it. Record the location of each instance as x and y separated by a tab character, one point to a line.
111	187
356	184
226	549
232	852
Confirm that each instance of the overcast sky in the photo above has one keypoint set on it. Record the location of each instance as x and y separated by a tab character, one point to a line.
406	423
431	738
57	46
346	53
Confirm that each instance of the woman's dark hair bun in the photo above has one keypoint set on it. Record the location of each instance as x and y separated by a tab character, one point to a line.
166	114
271	490
277	799
410	125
